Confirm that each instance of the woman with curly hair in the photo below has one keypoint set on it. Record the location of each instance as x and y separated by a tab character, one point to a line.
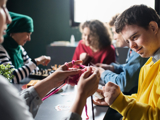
95	46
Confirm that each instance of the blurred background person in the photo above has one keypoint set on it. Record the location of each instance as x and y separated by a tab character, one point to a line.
95	46
119	41
12	52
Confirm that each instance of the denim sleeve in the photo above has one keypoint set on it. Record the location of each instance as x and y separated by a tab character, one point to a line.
125	75
32	99
118	68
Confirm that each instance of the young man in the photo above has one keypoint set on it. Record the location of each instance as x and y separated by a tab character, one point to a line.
140	27
124	75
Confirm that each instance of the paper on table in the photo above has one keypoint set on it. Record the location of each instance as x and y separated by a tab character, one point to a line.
99	112
61	107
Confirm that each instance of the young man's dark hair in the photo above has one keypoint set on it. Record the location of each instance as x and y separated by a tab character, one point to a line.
140	15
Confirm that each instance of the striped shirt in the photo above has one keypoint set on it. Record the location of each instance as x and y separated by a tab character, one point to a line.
22	72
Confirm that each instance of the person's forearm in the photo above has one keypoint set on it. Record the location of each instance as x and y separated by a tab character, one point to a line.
78	104
43	87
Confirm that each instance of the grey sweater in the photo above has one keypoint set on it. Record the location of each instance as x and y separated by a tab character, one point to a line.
16	107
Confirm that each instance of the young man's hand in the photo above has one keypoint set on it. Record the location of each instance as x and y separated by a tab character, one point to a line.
111	91
100	102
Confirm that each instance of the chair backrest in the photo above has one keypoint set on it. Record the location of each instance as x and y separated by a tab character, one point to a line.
61	54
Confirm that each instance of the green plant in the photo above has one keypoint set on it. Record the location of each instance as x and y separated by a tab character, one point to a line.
6	71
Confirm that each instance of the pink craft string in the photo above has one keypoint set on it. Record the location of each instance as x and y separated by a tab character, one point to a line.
68	81
87	117
55	91
72	80
82	66
75	80
73	61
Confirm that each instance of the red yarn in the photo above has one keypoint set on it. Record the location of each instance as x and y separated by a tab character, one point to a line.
73	79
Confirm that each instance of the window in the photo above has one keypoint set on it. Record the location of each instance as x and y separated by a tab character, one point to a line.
82	10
